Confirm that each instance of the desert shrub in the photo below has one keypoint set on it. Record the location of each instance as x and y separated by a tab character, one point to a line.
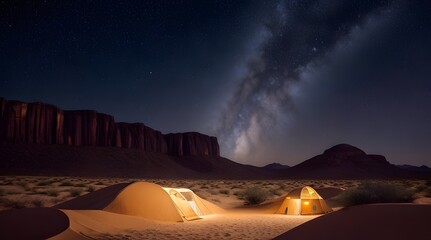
11	204
255	195
239	194
75	192
6	183
91	188
274	191
224	191
44	183
281	186
37	203
79	185
2	193
427	192
212	192
236	186
22	184
428	182
100	183
420	188
373	192
12	192
52	193
66	183
407	183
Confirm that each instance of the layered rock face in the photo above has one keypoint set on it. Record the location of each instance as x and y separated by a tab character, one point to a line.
46	124
192	143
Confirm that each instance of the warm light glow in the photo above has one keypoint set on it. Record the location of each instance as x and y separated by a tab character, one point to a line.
306	203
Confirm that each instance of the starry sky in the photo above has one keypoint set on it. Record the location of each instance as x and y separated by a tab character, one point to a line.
275	81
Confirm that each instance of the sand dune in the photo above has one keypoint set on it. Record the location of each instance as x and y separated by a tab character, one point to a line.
92	216
135	213
94	201
97	224
32	223
376	221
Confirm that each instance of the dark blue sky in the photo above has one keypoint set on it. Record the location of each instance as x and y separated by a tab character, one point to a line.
273	80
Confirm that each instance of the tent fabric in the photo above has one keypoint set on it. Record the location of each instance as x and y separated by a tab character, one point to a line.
146	200
303	201
154	202
183	206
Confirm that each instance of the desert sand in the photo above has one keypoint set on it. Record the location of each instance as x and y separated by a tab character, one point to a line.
68	216
373	221
115	212
137	221
97	224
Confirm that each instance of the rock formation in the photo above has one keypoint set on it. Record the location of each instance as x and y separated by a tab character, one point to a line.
346	162
47	124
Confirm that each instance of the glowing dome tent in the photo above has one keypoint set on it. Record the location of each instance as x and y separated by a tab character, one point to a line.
303	201
154	202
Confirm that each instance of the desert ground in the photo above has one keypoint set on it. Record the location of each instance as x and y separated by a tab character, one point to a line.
236	220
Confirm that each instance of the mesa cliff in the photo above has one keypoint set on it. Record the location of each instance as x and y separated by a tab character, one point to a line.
42	123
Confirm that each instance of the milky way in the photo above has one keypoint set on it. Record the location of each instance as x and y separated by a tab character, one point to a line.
275	81
318	43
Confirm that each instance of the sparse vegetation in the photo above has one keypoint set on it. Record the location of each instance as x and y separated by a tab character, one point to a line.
37	203
11	204
6	183
12	192
420	188
66	184
22	184
224	191
52	193
91	188
255	195
75	192
44	183
18	191
274	191
374	192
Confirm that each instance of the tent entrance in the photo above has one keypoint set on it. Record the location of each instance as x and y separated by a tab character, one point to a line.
185	203
191	201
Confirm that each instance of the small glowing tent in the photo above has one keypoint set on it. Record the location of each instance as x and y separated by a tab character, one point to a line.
152	201
303	201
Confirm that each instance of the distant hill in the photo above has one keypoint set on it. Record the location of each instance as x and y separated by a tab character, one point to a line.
422	168
276	166
344	161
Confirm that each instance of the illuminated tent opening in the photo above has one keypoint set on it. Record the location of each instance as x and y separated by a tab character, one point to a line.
154	202
189	205
303	201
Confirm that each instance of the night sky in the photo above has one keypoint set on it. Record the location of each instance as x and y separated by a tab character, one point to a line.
275	81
